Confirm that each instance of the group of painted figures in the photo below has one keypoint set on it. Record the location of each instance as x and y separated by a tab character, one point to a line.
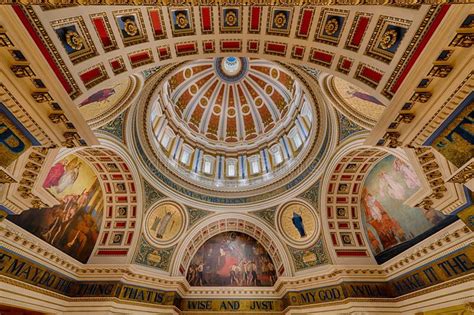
232	259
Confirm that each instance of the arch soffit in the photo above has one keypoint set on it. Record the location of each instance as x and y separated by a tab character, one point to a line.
97	157
339	171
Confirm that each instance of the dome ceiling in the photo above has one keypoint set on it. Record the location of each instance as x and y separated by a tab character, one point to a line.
231	103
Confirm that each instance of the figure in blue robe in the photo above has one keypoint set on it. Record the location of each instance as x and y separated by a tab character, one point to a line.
297	220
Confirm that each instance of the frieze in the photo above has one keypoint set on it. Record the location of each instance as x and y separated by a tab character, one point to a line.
455	266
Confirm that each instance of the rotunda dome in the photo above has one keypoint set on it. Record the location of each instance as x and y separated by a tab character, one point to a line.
231	104
231	130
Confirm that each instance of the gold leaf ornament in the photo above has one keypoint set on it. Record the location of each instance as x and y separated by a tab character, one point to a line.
389	38
130	27
231	18
182	20
331	26
74	40
280	20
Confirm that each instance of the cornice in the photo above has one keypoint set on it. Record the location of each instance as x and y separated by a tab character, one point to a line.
24	244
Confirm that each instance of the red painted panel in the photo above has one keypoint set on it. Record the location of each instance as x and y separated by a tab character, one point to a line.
346	64
120	224
90	75
138	57
230	44
115	64
359	31
208	46
305	22
129	238
156	23
101	28
322	56
346	253
255	14
112	252
206	20
185	48
359	239
104	238
299	51
370	74
276	48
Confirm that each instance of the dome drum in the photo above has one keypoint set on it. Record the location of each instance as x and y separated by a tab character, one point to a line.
220	154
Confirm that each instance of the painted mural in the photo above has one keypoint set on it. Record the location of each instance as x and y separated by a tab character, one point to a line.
358	99
231	259
164	223
73	225
388	221
297	222
103	101
455	137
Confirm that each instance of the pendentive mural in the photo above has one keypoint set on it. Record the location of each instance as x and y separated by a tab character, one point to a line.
231	259
388	221
105	100
358	99
73	225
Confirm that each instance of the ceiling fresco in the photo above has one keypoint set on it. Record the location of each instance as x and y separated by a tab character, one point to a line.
231	100
235	157
73	224
311	35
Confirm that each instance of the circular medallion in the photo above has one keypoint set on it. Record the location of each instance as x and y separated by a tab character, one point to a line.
298	223
164	223
182	20
280	20
331	26
74	40
389	38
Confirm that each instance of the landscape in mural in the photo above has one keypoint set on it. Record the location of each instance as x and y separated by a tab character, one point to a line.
231	259
388	221
72	225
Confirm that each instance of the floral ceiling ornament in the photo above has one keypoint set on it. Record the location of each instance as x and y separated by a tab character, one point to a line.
389	38
74	40
331	26
182	20
131	27
280	20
